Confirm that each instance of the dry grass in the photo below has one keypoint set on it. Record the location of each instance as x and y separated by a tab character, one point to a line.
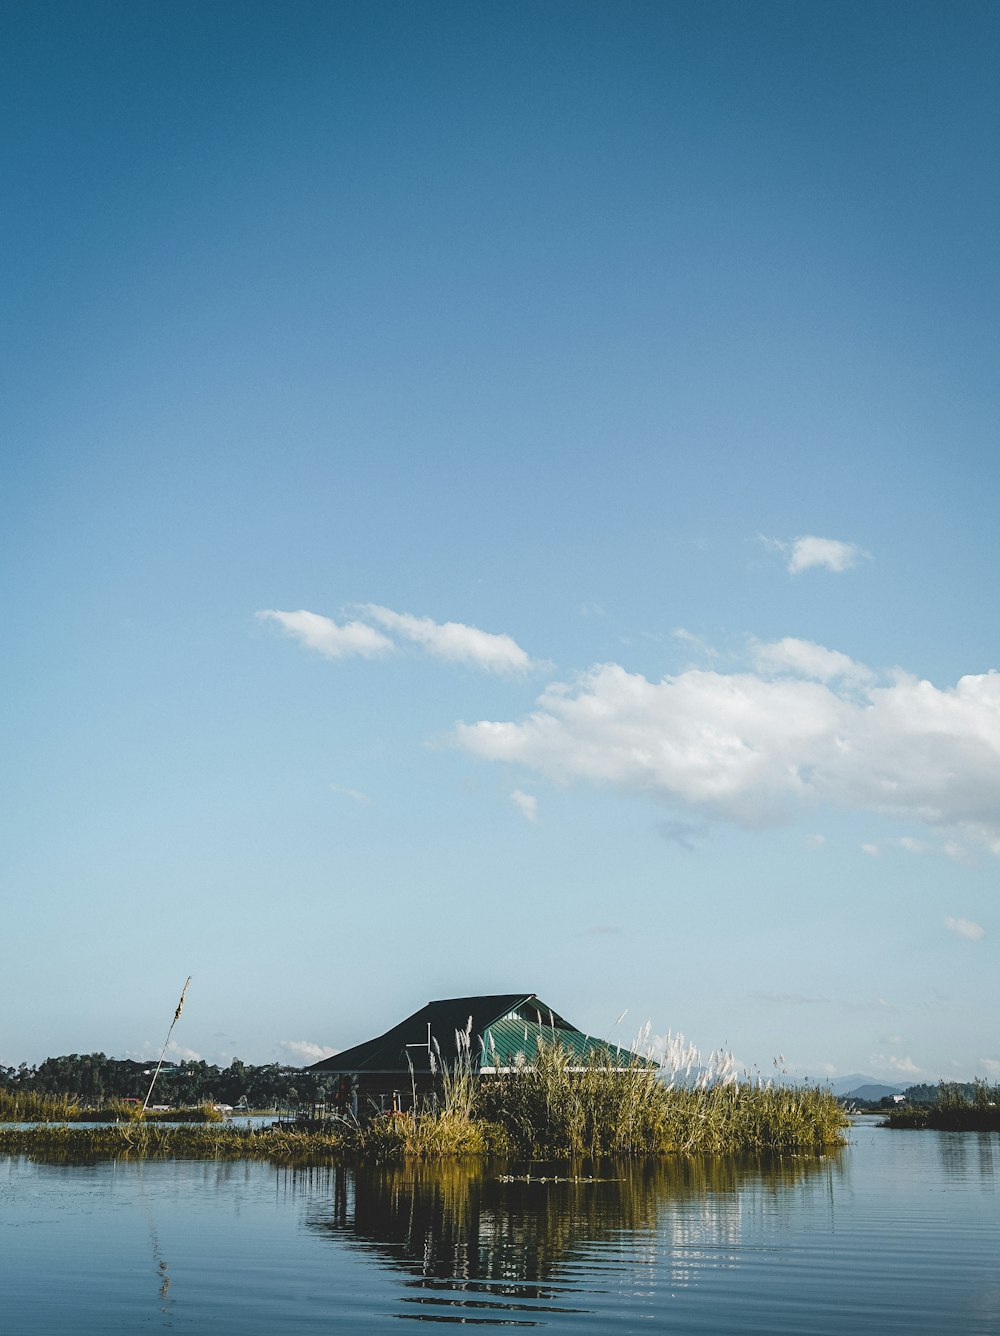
550	1108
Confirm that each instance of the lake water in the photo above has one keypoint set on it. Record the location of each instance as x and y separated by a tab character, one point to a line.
899	1232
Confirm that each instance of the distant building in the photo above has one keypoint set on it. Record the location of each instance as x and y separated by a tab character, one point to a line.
503	1031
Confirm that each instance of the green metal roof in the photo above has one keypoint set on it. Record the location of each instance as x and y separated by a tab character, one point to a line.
501	1026
509	1043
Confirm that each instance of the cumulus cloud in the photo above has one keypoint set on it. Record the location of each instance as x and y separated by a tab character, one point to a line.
974	932
831	554
306	1051
326	637
453	640
526	804
758	750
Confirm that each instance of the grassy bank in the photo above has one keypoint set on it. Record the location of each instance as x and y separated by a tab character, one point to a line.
29	1107
952	1111
549	1110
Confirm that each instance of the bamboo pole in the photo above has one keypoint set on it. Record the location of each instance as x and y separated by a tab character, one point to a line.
177	1016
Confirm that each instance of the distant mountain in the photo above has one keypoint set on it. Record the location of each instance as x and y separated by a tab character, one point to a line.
872	1091
858	1086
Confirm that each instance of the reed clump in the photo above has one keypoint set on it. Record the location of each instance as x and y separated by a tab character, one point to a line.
953	1111
618	1107
28	1106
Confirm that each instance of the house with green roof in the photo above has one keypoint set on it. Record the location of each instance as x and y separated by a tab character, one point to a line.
501	1031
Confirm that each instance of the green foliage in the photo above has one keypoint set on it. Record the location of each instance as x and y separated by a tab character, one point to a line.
973	1107
94	1080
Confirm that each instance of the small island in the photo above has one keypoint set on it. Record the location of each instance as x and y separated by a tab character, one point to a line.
502	1076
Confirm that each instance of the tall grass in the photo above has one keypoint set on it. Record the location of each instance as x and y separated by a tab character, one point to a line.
27	1106
553	1107
953	1111
619	1106
623	1104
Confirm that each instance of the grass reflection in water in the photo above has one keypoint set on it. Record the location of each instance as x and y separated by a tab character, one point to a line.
508	1242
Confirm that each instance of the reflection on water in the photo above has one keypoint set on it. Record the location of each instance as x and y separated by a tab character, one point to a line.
963	1154
534	1242
897	1235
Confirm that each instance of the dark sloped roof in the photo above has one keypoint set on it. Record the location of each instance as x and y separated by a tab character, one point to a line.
503	1025
388	1052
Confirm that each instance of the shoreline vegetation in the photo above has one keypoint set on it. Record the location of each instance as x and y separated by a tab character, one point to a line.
28	1106
956	1109
550	1110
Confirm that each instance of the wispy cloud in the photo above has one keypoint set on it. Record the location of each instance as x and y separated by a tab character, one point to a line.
526	804
757	749
912	846
325	636
809	552
850	1005
804	658
453	640
355	795
686	834
901	1066
178	1053
696	642
961	927
304	1050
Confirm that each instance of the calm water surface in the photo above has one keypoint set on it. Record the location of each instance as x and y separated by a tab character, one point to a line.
900	1232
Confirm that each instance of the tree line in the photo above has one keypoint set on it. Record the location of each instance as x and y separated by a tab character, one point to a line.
93	1077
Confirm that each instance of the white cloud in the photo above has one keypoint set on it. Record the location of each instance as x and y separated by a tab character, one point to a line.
872	850
906	1066
992	1066
526	804
803	658
327	637
306	1051
816	841
893	1065
961	927
829	553
758	751
454	640
180	1054
911	845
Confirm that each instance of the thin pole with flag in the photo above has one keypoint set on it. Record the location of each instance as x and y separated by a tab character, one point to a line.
177	1016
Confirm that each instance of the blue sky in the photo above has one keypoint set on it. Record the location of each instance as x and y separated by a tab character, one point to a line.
613	387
